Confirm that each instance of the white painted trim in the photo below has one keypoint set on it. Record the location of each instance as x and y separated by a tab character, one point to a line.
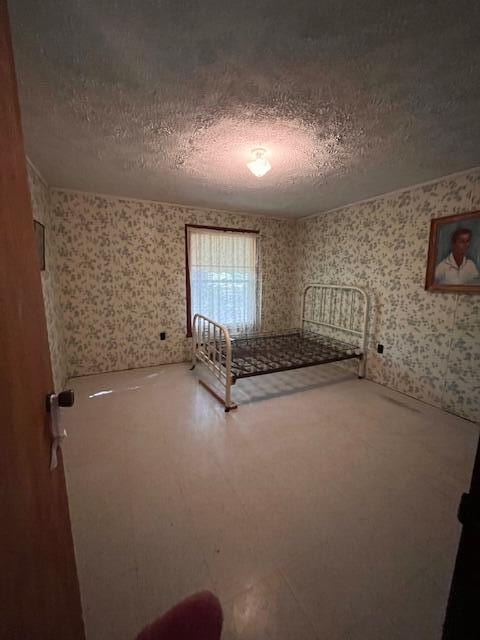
36	170
191	207
387	194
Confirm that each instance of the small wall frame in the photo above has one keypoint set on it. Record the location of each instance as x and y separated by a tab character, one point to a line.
39	231
454	254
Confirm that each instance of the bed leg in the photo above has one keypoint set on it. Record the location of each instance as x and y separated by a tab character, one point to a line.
361	367
217	396
228	397
228	394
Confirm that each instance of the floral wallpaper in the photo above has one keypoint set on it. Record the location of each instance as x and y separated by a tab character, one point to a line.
431	340
41	207
116	269
122	278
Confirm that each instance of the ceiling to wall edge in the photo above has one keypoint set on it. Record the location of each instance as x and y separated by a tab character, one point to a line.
286	218
386	194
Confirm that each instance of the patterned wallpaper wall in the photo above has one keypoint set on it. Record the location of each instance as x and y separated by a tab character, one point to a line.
122	277
115	279
432	340
41	208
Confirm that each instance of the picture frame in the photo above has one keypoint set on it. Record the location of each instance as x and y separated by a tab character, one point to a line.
39	231
453	264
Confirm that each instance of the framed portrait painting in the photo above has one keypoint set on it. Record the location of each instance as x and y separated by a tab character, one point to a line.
39	231
454	254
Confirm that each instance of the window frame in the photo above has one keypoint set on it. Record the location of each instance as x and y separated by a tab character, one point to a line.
187	263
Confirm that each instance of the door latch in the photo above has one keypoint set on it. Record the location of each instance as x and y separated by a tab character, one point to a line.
55	402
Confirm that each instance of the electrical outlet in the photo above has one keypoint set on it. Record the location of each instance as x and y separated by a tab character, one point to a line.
163	335
379	348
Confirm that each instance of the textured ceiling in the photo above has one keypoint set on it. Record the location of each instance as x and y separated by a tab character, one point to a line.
164	99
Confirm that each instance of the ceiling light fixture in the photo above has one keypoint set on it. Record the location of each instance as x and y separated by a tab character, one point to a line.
260	166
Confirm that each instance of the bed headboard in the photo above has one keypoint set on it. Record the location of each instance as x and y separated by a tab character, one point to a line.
339	307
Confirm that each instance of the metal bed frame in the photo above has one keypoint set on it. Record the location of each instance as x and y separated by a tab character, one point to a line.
337	309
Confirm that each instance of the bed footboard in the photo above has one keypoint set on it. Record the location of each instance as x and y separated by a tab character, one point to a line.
212	345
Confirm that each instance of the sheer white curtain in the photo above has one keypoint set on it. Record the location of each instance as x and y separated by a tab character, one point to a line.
223	277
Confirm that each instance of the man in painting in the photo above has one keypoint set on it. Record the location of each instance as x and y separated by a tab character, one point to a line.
456	268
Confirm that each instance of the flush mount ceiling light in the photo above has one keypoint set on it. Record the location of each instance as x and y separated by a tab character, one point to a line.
260	166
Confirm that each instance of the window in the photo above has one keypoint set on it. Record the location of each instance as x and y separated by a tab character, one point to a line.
222	276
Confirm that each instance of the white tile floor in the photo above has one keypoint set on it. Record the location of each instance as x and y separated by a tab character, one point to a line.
324	507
